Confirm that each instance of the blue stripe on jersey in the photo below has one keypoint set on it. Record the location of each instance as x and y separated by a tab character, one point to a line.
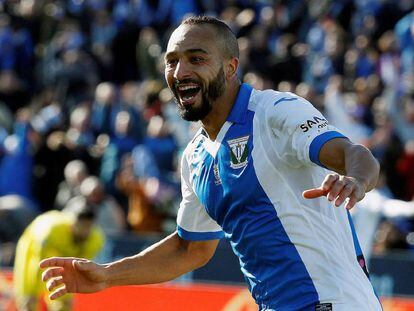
359	253
285	99
199	236
273	269
357	247
318	142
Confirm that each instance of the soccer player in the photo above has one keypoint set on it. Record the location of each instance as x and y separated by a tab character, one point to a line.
243	176
53	233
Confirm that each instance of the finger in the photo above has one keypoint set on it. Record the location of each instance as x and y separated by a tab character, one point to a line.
314	193
336	189
329	181
351	203
58	293
54	262
356	197
51	272
53	283
345	193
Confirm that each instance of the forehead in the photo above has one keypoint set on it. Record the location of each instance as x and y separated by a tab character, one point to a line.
191	37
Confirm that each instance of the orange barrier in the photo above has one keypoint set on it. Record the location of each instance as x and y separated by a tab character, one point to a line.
168	297
397	304
178	297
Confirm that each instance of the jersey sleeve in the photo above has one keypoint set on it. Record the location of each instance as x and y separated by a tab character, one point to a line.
300	130
193	222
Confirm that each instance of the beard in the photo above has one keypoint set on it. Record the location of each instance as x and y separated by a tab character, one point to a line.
213	91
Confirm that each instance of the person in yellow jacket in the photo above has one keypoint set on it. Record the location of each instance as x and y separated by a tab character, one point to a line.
53	233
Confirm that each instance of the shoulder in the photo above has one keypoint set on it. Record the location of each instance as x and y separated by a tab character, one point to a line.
52	219
281	108
275	100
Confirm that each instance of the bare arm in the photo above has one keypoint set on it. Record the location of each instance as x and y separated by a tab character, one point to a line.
357	170
161	262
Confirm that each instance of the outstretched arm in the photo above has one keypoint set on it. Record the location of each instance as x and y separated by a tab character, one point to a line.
163	261
357	172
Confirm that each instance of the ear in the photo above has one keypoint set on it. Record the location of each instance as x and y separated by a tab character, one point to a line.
231	67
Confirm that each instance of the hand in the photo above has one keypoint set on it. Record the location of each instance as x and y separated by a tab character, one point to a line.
72	275
339	188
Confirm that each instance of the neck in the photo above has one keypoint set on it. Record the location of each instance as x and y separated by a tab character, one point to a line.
222	106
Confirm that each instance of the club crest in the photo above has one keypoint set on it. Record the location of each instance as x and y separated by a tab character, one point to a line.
239	152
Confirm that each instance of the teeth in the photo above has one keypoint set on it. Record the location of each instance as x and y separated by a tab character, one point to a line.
187	87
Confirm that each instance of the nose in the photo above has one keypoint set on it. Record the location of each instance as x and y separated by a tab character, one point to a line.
181	71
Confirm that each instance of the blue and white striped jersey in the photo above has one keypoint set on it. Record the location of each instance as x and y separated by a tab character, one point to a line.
247	186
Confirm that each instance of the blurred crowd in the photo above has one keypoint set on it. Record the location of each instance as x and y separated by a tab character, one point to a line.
86	115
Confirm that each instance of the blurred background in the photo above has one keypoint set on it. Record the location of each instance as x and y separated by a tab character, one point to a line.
86	119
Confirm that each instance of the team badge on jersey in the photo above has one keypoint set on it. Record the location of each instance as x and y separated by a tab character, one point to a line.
239	151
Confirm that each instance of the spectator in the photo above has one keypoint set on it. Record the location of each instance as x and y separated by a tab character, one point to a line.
162	146
109	215
17	163
148	53
404	30
103	108
121	143
7	56
75	173
80	139
138	179
103	32
16	213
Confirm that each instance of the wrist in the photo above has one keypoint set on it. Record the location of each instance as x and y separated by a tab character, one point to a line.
108	275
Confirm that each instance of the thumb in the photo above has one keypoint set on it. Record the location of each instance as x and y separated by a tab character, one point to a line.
314	193
82	264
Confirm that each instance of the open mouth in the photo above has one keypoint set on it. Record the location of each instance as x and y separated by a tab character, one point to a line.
188	92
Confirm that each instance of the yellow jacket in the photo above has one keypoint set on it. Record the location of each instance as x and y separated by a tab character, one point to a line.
48	235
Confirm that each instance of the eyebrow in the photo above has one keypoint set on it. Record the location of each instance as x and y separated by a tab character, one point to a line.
189	51
196	51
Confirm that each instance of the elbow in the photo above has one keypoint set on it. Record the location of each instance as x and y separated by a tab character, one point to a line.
201	254
202	258
377	169
197	253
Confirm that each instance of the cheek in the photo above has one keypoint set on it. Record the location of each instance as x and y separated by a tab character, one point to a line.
169	77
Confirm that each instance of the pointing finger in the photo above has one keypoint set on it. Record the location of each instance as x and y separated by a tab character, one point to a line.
314	193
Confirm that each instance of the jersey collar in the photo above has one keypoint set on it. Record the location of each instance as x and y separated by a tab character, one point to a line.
239	110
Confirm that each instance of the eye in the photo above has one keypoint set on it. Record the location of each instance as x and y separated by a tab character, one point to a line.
196	59
171	62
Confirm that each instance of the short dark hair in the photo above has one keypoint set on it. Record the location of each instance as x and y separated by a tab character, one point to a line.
80	208
227	37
